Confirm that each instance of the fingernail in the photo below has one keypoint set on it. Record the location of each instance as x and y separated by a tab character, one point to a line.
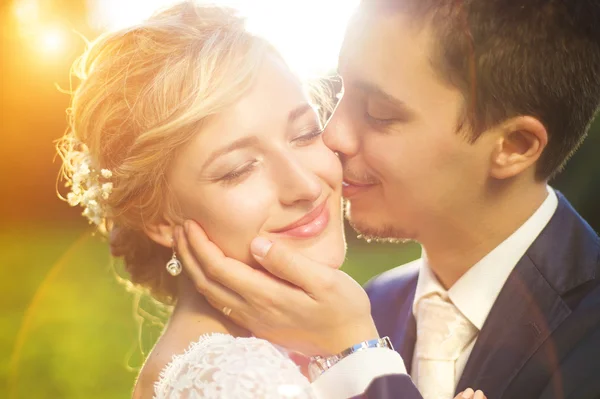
186	226
260	247
479	395
468	393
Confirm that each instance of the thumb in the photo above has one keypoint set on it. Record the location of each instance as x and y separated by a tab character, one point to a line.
287	263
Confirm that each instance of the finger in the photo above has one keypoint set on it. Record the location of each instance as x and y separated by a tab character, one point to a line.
246	316
466	394
207	287
479	395
203	248
289	265
212	264
246	281
236	314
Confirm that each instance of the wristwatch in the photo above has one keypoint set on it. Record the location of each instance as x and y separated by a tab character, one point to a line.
319	364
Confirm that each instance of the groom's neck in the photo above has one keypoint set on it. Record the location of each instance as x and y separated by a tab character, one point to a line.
459	240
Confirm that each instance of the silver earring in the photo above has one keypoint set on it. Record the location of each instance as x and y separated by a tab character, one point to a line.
174	266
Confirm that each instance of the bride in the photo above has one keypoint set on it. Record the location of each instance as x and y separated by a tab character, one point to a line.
188	116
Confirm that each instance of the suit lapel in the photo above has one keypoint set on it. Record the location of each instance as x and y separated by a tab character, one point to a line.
523	317
530	306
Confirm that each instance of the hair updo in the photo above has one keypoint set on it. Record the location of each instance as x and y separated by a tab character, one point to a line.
144	92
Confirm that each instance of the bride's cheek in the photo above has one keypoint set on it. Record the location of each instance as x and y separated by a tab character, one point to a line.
245	209
332	169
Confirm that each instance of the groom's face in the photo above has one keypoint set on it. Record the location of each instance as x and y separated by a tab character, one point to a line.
396	130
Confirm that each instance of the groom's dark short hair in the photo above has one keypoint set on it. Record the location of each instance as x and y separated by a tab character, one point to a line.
509	58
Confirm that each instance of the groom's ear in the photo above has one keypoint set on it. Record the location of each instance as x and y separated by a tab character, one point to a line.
521	141
161	232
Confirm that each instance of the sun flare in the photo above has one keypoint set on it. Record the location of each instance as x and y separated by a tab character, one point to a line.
308	33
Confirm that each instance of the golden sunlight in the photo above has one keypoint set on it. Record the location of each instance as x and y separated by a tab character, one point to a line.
26	11
52	40
307	32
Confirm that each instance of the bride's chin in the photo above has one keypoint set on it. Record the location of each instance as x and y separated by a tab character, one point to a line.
331	254
328	248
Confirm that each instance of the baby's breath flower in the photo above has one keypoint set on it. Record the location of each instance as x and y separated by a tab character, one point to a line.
84	169
77	179
87	190
73	199
106	190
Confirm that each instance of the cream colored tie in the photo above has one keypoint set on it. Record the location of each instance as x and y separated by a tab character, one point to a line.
443	332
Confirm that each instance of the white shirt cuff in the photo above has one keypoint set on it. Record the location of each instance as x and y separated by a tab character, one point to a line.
352	375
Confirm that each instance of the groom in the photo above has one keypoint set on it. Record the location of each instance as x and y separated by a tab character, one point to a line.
455	115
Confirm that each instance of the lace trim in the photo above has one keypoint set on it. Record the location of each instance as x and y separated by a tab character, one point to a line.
176	363
222	366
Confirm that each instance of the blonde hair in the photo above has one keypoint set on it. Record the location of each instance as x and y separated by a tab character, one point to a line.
143	94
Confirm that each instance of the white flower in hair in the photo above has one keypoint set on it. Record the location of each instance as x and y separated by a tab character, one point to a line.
73	199
89	188
106	189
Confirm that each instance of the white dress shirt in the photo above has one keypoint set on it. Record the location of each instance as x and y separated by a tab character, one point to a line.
473	294
476	291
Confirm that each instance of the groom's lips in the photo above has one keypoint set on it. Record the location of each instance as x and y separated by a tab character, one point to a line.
351	188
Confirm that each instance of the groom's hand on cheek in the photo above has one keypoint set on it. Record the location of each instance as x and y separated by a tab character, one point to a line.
301	304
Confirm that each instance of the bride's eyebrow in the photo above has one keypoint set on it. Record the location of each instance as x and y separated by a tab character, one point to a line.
236	145
253	140
298	112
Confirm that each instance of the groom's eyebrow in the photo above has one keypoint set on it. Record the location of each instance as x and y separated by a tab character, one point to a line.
375	90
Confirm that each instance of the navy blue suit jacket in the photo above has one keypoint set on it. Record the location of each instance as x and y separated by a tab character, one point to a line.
542	336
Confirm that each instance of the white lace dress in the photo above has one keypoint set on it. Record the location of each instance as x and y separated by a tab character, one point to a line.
222	366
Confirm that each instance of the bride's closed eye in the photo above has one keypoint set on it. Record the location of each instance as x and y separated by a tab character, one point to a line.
308	137
242	171
238	173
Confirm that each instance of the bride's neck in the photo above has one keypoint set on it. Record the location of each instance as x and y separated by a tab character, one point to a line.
195	313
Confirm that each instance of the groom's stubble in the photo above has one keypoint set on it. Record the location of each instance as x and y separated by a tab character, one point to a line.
384	233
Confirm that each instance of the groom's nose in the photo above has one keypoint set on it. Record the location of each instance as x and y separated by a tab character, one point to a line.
340	133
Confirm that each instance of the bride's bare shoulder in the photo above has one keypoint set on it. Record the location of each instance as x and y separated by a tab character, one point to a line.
158	359
175	341
183	333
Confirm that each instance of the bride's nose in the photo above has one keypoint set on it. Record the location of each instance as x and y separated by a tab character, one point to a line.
297	183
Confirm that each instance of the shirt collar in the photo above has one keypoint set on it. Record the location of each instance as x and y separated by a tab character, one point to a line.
476	291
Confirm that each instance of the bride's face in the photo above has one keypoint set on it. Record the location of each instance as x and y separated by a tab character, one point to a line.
261	168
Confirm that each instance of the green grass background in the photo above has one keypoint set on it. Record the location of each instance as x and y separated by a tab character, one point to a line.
70	329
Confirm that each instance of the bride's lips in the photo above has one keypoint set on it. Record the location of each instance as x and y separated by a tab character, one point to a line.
310	225
351	188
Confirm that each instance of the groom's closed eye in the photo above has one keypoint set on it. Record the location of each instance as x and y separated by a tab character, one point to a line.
381	111
382	108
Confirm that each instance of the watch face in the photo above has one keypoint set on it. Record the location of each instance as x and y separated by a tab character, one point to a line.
319	364
313	371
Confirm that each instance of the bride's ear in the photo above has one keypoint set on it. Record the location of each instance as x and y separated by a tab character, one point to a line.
161	232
